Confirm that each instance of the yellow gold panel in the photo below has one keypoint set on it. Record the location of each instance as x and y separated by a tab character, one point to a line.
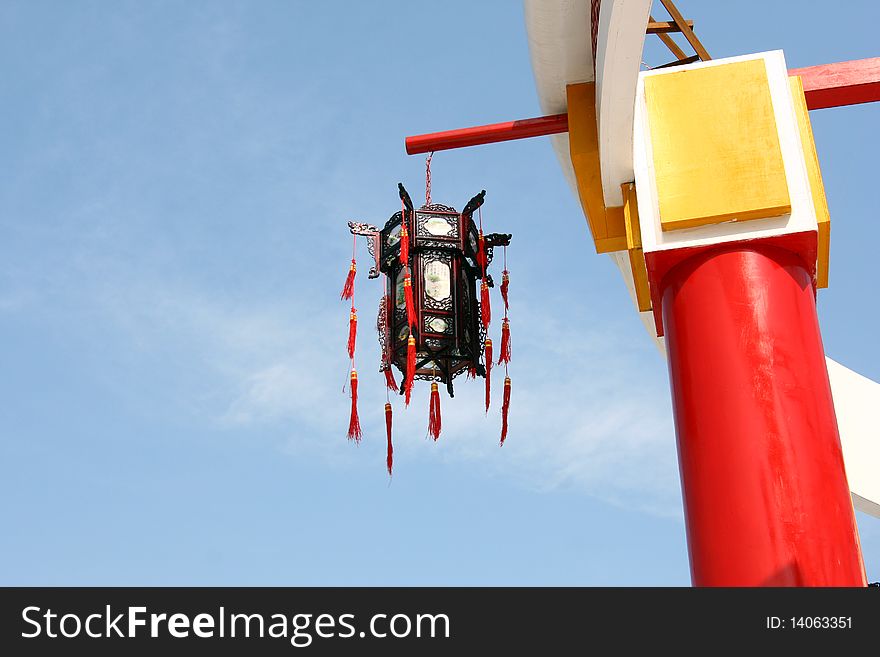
606	224
716	148
634	246
615	230
814	173
823	255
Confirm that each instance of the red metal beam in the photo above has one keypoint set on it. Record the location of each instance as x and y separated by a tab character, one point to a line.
843	83
826	85
487	134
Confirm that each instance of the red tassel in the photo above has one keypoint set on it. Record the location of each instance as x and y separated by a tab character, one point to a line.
410	305
354	424
504	356
434	423
485	308
389	460
505	283
390	383
481	253
488	372
472	372
404	242
410	367
348	288
505	407
352	331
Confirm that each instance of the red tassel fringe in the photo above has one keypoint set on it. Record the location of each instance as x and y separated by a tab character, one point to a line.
410	367
481	253
488	372
404	242
472	372
485	308
504	356
390	383
434	423
352	331
505	407
354	424
408	296
348	288
505	283
389	459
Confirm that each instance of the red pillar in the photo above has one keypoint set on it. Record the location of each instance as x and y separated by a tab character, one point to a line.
765	492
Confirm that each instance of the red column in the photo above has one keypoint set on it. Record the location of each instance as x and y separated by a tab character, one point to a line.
765	492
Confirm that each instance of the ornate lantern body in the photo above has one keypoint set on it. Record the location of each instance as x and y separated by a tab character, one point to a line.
448	334
444	267
432	322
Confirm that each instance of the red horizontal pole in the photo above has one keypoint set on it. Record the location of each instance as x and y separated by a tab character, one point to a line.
826	85
487	134
843	83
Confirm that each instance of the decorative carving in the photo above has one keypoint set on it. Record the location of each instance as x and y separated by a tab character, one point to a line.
491	241
438	207
437	244
372	234
395	218
383	329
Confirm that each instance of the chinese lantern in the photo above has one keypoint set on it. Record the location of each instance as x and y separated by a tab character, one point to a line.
431	324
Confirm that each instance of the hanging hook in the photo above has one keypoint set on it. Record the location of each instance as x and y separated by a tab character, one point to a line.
428	178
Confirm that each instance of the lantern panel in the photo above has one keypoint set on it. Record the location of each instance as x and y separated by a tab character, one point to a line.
435	281
438	281
438	225
389	241
471	245
470	336
398	293
393	236
440	325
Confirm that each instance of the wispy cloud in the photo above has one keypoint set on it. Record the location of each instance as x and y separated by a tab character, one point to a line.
586	413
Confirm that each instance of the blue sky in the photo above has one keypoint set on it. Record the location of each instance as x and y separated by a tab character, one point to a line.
175	179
